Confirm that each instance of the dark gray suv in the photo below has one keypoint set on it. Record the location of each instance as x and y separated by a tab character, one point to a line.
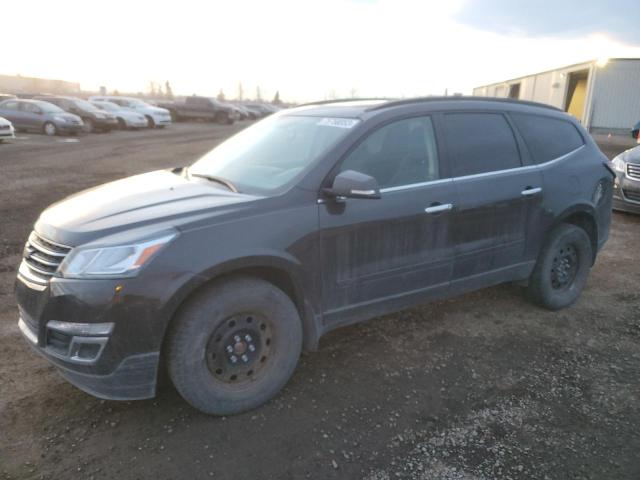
315	218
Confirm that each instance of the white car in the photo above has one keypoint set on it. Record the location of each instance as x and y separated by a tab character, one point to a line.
157	117
6	130
127	118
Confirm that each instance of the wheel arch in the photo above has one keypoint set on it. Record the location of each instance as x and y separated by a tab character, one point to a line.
583	216
281	272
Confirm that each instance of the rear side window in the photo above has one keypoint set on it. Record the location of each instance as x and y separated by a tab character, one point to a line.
547	138
479	143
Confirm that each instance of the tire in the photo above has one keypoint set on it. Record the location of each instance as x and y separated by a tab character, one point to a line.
562	268
152	123
222	118
89	126
243	318
50	129
122	125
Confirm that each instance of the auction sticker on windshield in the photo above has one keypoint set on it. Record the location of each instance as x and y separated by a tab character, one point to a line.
338	122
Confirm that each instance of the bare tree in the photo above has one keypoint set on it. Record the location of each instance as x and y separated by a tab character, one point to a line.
353	93
258	94
221	96
167	90
240	91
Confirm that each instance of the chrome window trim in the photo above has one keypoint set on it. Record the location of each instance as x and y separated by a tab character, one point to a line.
484	174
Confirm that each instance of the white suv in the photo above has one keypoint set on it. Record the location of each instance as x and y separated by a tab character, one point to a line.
157	117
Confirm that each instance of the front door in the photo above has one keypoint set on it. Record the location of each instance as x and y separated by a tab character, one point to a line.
379	255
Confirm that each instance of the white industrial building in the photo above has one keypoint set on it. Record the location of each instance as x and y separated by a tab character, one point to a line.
603	95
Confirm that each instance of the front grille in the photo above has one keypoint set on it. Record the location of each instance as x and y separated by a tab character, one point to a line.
631	195
633	171
43	257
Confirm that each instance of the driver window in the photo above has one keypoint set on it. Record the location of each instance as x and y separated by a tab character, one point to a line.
400	153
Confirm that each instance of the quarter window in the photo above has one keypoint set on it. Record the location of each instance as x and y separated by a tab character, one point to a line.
480	142
400	153
547	138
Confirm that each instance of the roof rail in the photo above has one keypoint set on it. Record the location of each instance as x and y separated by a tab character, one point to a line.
409	101
342	100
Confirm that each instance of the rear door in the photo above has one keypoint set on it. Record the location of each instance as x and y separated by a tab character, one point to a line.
500	198
379	254
32	116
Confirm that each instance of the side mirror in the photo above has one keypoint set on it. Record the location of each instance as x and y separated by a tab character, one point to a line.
352	184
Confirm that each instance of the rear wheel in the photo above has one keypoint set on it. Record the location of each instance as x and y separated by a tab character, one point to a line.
562	268
234	345
50	129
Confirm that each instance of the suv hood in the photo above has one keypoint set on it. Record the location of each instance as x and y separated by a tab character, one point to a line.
157	198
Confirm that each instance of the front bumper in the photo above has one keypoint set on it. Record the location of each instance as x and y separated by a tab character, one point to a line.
162	120
7	132
626	193
105	342
69	127
105	123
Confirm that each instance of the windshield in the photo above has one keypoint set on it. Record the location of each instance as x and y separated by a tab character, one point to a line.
137	103
107	106
49	107
270	154
85	105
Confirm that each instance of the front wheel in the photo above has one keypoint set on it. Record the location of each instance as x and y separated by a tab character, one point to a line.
562	268
152	123
50	129
234	345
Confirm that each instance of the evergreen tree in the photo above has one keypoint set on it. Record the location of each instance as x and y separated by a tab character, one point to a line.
276	98
221	96
167	91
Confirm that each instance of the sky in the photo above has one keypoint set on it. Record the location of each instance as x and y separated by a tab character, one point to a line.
310	50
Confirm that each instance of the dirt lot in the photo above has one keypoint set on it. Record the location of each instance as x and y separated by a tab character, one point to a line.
479	387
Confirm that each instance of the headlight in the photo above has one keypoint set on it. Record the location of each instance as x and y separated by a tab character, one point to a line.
619	164
117	261
60	119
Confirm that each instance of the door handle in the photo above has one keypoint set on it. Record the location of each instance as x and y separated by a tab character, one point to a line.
438	208
527	192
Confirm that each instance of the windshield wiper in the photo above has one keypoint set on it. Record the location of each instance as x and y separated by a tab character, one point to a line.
220	180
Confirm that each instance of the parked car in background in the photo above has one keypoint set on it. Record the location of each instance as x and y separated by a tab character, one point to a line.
262	109
635	131
156	116
626	190
6	96
40	116
307	221
202	108
93	118
126	118
6	130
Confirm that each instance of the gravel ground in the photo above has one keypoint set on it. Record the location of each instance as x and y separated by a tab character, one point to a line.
484	386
